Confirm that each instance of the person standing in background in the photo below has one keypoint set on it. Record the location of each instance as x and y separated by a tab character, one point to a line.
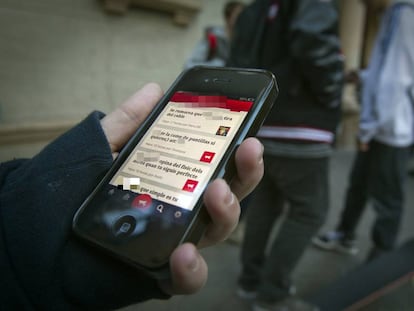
213	48
386	132
298	41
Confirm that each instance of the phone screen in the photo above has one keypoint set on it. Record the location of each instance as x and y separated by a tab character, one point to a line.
145	206
175	159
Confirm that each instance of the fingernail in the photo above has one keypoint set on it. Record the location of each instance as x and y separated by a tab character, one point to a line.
229	200
194	263
261	155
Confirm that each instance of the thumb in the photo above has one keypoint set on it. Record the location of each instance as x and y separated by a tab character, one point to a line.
120	124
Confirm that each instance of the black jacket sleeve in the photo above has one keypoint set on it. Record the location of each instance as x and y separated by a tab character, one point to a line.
315	48
43	266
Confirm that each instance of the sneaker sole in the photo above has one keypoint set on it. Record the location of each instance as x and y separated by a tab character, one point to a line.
334	247
243	294
345	250
259	308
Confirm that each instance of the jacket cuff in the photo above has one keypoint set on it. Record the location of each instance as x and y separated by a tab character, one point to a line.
38	201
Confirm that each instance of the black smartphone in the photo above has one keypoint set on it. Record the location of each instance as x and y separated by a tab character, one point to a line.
150	201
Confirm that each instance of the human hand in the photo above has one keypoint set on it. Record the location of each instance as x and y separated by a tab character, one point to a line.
352	76
363	146
188	268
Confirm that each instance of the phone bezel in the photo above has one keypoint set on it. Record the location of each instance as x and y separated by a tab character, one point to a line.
197	79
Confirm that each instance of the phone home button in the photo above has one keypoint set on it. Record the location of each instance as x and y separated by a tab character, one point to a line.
124	226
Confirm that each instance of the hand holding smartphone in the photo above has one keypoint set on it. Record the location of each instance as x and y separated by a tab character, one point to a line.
150	201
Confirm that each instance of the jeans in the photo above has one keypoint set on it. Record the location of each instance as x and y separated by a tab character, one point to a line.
302	184
378	174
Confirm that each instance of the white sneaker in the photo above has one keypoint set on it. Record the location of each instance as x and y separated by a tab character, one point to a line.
336	241
287	304
246	294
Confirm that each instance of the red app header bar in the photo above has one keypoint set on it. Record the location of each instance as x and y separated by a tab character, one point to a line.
212	101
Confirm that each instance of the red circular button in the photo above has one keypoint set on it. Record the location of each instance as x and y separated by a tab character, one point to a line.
142	201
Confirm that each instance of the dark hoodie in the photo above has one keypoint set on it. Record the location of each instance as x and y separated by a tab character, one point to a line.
298	41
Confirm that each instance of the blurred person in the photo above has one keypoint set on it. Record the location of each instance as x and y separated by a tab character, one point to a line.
298	41
386	132
44	266
213	48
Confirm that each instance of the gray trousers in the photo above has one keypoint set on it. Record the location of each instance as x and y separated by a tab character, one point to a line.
298	187
379	174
